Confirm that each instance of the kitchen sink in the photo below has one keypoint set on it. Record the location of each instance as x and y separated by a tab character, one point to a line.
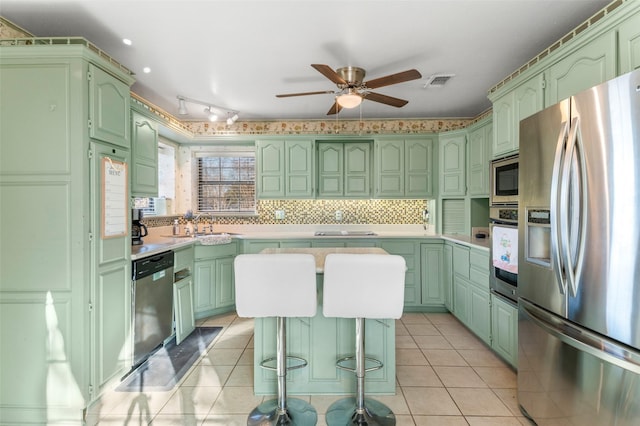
200	235
345	234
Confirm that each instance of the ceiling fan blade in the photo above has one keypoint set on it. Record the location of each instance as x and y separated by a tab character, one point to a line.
335	108
384	99
328	72
388	80
287	95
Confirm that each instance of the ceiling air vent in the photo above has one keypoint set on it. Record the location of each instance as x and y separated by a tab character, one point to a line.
438	80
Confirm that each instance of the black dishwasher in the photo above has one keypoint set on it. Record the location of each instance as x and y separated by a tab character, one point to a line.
152	302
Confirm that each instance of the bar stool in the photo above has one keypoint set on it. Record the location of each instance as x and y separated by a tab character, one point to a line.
362	286
281	286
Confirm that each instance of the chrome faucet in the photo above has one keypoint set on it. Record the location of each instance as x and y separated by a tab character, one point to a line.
196	221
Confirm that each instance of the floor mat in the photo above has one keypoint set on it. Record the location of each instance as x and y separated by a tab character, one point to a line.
164	369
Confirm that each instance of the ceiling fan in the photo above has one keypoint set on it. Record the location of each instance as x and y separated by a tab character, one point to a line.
352	90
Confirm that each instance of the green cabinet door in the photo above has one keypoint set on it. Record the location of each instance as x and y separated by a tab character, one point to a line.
144	156
108	108
508	110
432	282
214	287
461	298
504	333
447	275
478	160
479	312
224	285
270	169
504	140
285	169
204	297
344	169
330	170
452	164
418	167
404	168
357	170
299	174
390	163
588	66
410	250
183	308
629	44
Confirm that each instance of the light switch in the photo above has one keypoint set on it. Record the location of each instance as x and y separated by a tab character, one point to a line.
279	214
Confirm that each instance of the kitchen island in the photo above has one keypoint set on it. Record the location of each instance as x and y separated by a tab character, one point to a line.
321	341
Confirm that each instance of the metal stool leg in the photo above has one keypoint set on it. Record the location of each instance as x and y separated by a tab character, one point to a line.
359	410
283	410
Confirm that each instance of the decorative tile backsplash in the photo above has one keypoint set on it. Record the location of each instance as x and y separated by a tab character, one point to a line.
392	212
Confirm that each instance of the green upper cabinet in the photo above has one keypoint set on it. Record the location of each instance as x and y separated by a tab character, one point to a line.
344	169
508	110
285	169
480	139
629	44
108	108
585	67
404	168
144	156
452	163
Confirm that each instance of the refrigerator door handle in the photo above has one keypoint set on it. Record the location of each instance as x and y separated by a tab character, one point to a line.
573	207
582	339
557	263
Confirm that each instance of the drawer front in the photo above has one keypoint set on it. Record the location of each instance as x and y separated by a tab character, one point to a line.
479	277
183	258
210	252
479	260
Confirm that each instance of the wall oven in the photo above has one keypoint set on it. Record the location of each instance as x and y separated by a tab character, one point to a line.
504	251
504	181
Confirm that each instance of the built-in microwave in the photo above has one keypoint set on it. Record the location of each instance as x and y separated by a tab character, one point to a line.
504	181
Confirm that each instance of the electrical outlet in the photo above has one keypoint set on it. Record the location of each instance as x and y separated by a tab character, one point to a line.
338	215
280	215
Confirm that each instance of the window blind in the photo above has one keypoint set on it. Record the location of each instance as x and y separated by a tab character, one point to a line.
226	182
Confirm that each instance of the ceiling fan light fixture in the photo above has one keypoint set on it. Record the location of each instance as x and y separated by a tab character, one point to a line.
349	100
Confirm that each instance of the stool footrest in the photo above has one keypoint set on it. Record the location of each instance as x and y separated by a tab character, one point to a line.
341	364
299	363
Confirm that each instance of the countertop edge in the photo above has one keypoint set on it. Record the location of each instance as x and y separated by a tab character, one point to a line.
158	244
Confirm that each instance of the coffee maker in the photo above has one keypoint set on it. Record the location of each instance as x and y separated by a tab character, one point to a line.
138	230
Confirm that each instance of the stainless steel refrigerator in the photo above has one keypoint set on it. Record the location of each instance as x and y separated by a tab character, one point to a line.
579	258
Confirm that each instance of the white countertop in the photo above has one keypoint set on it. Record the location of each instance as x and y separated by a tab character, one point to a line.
159	238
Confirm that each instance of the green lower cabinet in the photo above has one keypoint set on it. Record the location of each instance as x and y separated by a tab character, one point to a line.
214	287
322	341
479	319
225	283
504	323
410	250
461	298
447	275
432	282
183	308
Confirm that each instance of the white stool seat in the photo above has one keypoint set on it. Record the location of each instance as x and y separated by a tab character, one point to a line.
375	282
362	286
281	286
275	285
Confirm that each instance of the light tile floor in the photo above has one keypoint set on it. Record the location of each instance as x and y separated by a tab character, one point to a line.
445	376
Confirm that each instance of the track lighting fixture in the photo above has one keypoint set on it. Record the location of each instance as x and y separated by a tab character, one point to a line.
211	114
211	110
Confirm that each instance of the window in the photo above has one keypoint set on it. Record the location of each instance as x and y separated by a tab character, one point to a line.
226	182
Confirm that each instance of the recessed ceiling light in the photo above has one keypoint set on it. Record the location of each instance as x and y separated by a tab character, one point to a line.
146	70
126	41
